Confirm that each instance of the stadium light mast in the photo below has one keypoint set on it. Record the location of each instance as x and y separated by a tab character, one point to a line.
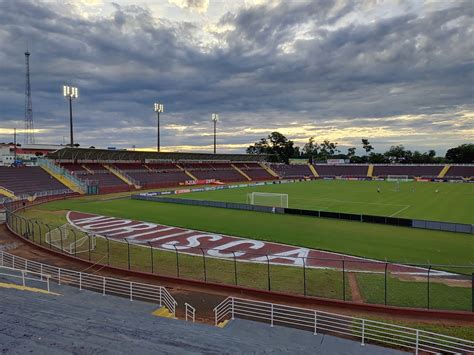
70	93
215	118
159	108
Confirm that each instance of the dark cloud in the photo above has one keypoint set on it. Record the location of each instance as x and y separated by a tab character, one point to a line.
306	62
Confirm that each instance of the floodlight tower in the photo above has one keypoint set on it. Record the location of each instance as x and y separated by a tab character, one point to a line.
159	108
70	93
29	130
215	118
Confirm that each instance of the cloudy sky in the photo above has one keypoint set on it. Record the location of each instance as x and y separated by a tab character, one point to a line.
396	71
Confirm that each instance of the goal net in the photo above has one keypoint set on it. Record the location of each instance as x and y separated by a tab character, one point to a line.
267	199
398	178
70	240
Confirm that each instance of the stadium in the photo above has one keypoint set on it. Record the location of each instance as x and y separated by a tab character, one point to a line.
280	246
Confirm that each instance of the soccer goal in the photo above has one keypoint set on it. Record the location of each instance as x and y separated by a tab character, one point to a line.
70	240
267	199
399	178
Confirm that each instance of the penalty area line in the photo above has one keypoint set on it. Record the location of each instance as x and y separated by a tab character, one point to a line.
400	211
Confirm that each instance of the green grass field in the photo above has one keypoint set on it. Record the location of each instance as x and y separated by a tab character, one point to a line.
406	245
452	203
375	241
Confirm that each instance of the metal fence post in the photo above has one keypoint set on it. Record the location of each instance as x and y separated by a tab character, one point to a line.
304	276
363	332
417	342
151	258
315	323
233	301
80	281
268	273
61	237
75	242
89	241
131	291
385	283
23	277
128	252
108	250
271	321
59	276
103	286
204	264
235	269
428	288
343	280
177	260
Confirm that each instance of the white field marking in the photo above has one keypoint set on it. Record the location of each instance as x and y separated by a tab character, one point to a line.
400	211
150	232
169	236
332	253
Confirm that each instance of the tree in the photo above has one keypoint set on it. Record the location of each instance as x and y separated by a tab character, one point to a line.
351	152
327	149
463	154
280	148
397	154
310	149
378	158
367	146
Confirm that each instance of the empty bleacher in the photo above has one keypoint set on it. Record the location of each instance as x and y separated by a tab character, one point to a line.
327	170
106	180
428	171
460	171
218	171
29	180
255	171
292	171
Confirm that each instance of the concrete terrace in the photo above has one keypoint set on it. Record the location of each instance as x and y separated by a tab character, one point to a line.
86	322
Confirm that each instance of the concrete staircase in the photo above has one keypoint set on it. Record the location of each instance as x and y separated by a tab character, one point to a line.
313	170
241	172
370	170
269	170
69	183
122	176
186	172
7	193
443	172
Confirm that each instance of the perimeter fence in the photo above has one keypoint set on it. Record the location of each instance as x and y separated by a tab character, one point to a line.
446	287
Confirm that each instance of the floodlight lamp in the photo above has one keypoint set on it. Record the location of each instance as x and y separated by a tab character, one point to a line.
159	108
215	117
69	91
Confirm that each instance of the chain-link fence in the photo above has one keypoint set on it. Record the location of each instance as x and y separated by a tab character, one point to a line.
445	287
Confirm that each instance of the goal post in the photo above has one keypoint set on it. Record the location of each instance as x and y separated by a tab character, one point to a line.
267	199
398	178
70	240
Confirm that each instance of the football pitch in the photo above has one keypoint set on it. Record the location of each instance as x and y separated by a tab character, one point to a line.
447	202
375	241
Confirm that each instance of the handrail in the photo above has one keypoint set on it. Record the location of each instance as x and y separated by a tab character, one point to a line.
61	171
105	285
354	327
190	312
24	278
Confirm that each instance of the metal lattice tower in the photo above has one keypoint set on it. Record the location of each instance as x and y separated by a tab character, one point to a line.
29	130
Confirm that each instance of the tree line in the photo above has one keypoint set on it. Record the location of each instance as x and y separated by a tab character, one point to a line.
281	149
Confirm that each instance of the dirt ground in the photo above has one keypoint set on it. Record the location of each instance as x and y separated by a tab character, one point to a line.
200	297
